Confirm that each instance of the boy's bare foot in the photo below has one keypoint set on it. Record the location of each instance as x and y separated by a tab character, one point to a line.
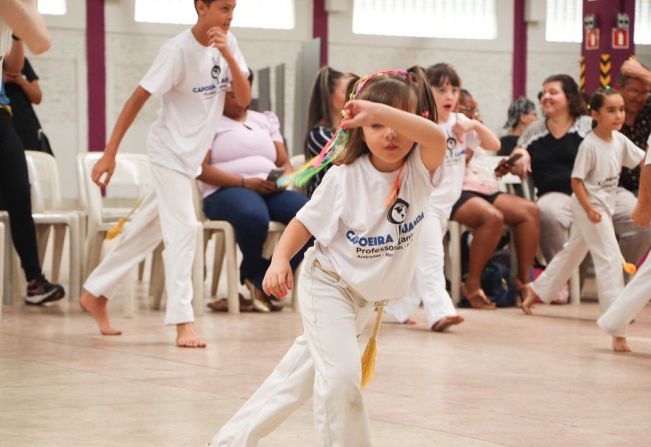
187	337
409	321
96	307
620	345
446	322
528	299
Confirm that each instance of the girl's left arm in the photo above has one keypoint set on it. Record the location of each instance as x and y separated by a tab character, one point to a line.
426	133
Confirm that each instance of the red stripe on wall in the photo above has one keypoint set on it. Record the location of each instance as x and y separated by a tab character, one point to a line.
96	67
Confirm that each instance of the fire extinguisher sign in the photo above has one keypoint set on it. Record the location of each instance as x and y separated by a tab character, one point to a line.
592	39
620	38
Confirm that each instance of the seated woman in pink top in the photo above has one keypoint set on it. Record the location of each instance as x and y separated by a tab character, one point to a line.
235	186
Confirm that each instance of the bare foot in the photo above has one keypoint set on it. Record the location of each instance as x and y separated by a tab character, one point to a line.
477	298
446	322
96	307
528	299
187	337
620	345
409	321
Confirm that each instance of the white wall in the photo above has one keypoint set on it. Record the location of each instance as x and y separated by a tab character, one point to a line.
484	66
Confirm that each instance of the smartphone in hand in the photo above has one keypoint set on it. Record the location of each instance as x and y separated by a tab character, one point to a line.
505	165
275	174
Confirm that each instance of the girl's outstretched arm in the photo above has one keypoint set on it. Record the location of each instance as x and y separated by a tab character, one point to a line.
278	279
426	133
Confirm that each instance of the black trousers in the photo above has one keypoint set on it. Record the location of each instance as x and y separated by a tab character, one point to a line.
15	197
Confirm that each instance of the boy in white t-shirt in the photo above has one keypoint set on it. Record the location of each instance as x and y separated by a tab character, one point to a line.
366	217
595	176
191	74
637	292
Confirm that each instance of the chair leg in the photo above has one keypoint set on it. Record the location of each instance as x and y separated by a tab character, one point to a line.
231	270
75	264
57	251
454	248
575	288
218	262
197	273
42	238
141	270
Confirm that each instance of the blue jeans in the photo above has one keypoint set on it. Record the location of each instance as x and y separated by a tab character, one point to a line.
250	213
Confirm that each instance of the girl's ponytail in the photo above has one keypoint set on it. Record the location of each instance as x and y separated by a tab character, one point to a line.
426	103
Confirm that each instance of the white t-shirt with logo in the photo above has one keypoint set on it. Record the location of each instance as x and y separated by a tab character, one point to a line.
371	247
191	80
449	190
598	163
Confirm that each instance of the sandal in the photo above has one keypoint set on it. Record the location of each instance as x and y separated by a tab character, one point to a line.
477	299
221	305
258	297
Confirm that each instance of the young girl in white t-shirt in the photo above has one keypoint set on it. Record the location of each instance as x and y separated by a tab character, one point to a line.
366	217
637	292
595	176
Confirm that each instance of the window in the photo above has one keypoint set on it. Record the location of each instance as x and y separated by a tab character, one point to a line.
451	19
52	7
270	14
642	22
564	21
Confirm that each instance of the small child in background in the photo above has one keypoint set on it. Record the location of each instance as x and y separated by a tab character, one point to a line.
366	217
637	292
595	176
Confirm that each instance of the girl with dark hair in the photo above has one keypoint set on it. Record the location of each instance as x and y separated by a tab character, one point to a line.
549	147
595	176
366	217
324	114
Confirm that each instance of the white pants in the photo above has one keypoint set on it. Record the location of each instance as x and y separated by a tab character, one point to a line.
632	300
324	362
586	236
166	213
428	282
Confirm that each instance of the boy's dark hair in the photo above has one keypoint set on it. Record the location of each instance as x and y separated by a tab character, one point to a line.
571	90
439	74
410	93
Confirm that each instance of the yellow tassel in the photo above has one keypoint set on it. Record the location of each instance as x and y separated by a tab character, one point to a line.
116	229
630	268
368	358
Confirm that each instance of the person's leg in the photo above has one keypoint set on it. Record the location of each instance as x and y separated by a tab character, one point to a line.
524	217
139	238
602	243
487	223
560	269
292	382
283	206
633	240
15	198
247	212
555	221
178	223
630	301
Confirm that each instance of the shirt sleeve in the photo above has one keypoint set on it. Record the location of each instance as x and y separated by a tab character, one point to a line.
584	161
632	155
163	73
274	126
322	213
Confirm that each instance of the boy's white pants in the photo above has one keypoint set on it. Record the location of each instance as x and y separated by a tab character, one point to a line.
428	283
600	240
166	213
632	300
324	363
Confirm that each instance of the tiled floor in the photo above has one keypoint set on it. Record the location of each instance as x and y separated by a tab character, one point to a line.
500	379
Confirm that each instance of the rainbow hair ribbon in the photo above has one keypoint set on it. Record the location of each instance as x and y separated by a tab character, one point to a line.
335	146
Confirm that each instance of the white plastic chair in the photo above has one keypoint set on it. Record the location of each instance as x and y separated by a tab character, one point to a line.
47	211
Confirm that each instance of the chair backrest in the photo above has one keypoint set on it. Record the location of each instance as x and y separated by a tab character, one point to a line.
131	180
44	181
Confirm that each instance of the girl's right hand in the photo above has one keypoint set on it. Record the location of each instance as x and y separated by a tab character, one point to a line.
104	167
278	279
593	215
358	113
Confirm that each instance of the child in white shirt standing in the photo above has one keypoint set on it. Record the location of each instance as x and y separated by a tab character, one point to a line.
598	163
366	217
191	74
637	292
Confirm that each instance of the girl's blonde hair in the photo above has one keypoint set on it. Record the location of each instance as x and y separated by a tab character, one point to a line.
406	90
